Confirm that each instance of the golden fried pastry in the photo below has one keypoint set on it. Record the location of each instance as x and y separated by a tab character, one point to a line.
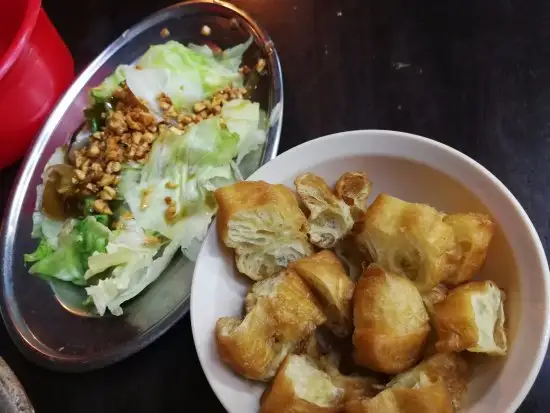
355	387
330	218
351	256
248	346
260	262
301	387
264	224
328	360
311	347
391	323
325	275
473	233
250	212
281	312
451	368
430	397
410	240
354	188
435	295
289	304
471	318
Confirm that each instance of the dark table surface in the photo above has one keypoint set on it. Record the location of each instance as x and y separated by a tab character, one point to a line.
472	74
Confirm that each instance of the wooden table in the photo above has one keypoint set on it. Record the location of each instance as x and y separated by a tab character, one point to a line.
474	75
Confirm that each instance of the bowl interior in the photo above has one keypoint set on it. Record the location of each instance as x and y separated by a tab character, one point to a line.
417	170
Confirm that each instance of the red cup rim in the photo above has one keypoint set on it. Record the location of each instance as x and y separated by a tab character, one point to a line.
21	38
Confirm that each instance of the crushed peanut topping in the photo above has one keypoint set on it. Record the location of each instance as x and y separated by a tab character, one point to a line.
102	207
201	110
128	136
164	33
129	133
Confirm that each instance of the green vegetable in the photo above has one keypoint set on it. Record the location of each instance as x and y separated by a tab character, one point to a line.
70	261
92	237
88	206
43	250
243	118
64	264
196	163
105	90
209	143
185	74
103	219
130	279
95	114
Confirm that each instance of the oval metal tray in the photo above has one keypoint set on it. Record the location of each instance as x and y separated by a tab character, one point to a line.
42	329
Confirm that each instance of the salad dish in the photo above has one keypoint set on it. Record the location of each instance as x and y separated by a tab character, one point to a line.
116	195
136	184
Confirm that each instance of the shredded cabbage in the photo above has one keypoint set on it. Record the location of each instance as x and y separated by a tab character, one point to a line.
185	167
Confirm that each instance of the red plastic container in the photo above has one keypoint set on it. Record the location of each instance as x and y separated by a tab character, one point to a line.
35	69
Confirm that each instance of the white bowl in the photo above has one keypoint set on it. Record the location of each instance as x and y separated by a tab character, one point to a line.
419	170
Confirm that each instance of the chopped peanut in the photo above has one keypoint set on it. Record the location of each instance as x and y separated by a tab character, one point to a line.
206	30
260	65
170	213
101	206
128	136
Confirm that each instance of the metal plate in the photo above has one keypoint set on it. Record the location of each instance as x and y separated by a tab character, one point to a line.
42	329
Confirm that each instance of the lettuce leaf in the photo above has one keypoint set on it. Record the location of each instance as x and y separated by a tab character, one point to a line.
131	278
209	143
244	119
43	250
184	167
126	244
105	90
64	264
185	73
70	260
184	88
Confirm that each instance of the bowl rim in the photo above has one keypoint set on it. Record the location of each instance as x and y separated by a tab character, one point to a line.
542	345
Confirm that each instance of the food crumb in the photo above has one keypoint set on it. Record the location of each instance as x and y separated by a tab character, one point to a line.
206	30
234	23
151	241
260	66
401	65
339	14
164	32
